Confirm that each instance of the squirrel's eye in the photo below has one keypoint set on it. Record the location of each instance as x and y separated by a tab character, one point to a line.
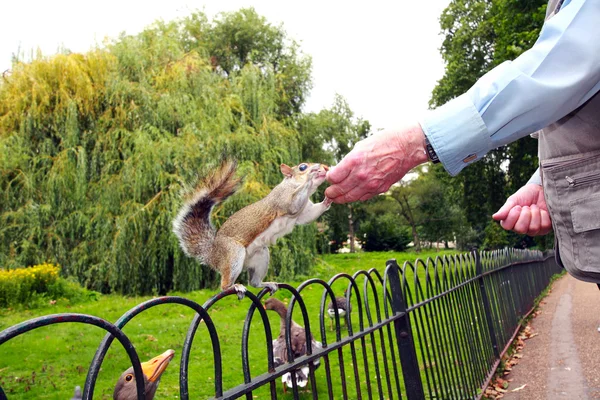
128	377
302	167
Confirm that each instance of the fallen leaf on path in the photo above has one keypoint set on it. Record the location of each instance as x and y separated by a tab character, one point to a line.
519	388
533	335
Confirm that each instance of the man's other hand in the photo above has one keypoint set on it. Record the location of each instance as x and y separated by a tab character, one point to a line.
525	212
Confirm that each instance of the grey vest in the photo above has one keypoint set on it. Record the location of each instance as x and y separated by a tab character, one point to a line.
569	152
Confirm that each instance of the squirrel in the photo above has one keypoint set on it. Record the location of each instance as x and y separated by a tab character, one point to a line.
242	240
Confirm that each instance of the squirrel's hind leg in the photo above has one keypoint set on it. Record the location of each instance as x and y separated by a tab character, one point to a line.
230	263
257	265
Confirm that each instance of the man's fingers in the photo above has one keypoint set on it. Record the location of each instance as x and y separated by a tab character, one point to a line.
341	179
536	220
341	171
511	219
337	174
522	212
522	224
333	192
359	192
343	193
502	213
367	196
546	223
532	221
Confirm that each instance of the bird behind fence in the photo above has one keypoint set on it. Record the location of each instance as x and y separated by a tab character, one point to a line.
343	308
298	342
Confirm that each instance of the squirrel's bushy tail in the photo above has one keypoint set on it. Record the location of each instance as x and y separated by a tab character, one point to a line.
192	224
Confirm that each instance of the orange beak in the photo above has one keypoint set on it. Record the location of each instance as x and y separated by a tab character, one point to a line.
154	368
325	167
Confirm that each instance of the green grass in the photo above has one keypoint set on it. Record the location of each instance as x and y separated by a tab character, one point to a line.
49	362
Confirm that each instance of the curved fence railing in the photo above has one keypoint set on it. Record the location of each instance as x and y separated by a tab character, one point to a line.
434	328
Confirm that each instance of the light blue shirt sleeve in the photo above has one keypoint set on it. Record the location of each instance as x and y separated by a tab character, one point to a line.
557	75
536	178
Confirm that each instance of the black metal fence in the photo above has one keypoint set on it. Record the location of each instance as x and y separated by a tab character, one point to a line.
433	329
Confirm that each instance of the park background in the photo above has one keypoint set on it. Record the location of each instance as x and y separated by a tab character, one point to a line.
98	146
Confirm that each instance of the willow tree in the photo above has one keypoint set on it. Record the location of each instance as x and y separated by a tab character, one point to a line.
97	149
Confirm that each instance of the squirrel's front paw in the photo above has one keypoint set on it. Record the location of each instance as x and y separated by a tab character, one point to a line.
272	286
241	290
327	202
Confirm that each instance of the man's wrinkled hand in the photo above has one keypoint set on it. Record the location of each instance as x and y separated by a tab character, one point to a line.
525	212
375	164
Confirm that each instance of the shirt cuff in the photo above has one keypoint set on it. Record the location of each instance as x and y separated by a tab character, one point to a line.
536	178
457	133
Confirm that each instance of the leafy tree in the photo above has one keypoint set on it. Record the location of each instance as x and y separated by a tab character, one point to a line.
517	25
331	133
327	136
405	196
384	234
439	216
466	49
235	39
479	35
495	236
381	231
425	205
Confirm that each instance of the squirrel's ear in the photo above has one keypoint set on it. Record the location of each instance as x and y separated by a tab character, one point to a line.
286	170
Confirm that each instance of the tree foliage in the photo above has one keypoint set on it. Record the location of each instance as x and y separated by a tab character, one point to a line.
97	148
479	35
495	236
328	135
382	231
405	195
440	218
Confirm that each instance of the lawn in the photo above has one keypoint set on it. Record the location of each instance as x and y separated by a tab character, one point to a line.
49	362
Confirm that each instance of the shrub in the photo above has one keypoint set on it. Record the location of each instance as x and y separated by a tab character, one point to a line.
384	234
495	237
30	286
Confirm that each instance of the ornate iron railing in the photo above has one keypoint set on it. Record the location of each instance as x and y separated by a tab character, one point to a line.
432	329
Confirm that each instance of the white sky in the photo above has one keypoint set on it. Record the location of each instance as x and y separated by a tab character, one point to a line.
382	56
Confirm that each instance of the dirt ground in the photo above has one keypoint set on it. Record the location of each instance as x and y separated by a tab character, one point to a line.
563	360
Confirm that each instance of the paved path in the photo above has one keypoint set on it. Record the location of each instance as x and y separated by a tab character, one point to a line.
563	360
